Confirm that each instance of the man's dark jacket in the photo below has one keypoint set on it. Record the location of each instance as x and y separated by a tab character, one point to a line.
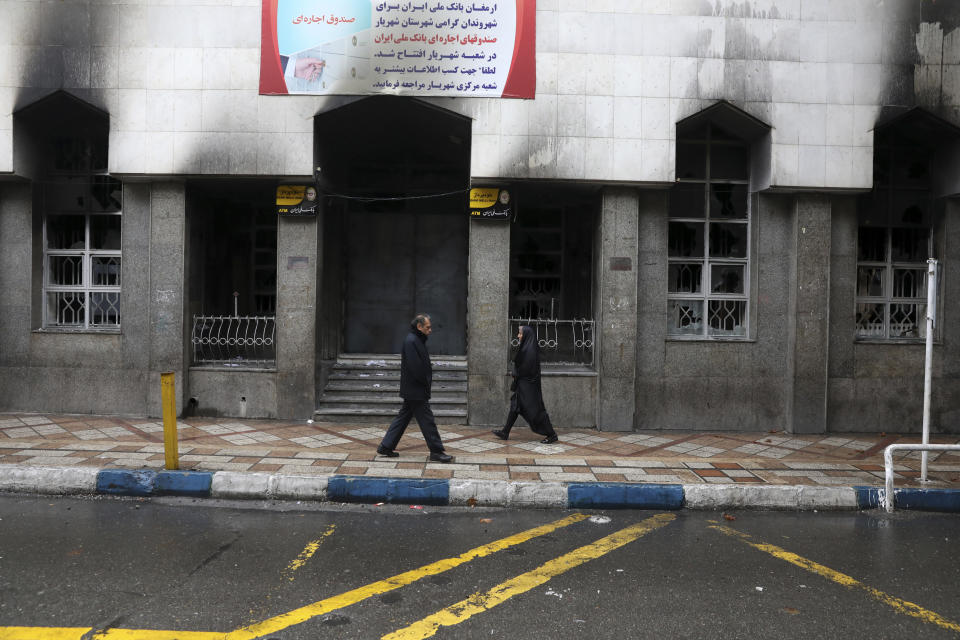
416	373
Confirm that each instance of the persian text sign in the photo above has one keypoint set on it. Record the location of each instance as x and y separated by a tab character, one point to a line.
420	48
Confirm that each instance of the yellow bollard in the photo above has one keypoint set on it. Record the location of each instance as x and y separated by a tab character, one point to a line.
168	400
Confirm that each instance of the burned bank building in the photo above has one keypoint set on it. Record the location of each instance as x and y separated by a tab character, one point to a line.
715	214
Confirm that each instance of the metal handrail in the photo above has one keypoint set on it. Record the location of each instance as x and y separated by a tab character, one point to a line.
888	464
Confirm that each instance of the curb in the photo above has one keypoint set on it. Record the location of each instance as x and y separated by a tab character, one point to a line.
442	492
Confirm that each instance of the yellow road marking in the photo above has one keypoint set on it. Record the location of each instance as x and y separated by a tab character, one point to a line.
480	602
901	606
297	616
150	634
42	633
307	552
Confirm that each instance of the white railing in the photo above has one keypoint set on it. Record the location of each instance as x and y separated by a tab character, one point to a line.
888	464
561	341
234	341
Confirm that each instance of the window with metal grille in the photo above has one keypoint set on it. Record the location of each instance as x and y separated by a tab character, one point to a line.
81	253
894	241
708	243
551	269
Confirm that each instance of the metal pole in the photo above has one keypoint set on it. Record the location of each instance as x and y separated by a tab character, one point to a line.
169	405
928	361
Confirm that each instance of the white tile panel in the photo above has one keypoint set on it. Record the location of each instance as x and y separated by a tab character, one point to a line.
598	158
628	75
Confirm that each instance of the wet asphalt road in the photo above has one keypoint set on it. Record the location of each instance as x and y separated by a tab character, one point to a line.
178	564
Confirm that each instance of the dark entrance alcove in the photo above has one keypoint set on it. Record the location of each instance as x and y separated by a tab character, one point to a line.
395	175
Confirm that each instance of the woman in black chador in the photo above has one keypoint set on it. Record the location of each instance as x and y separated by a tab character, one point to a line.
527	398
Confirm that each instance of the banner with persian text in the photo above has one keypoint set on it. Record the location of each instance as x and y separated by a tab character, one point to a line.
415	48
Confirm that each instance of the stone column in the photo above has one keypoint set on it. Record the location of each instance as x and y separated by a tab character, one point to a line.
810	319
651	310
16	247
488	288
167	330
843	413
297	255
616	310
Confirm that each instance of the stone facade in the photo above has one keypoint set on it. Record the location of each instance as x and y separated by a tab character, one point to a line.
614	78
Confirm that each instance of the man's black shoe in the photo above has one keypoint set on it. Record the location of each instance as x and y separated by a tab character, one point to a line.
500	434
440	457
549	440
387	452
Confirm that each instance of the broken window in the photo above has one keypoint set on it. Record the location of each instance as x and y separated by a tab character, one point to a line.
81	208
708	241
551	270
233	272
894	241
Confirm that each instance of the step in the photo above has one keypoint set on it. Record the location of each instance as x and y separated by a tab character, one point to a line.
364	401
389	375
384	416
383	386
374	361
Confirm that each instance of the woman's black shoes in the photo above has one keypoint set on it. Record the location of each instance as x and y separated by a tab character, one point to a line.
503	435
549	439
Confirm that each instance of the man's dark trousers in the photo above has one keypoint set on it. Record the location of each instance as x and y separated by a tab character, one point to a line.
419	409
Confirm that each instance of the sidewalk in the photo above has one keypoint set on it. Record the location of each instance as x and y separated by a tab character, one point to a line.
324	450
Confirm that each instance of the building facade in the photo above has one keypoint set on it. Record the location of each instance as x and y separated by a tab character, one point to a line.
723	216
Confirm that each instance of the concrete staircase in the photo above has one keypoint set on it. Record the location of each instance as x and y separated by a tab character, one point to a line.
365	388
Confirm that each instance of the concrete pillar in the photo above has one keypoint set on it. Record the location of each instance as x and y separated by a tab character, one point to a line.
843	412
651	310
16	243
616	310
165	213
16	246
298	254
488	288
810	320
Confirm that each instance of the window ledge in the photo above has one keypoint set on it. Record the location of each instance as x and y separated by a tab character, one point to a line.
66	330
917	342
702	339
234	369
565	370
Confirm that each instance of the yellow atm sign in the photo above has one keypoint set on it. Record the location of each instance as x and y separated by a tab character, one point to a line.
490	202
296	200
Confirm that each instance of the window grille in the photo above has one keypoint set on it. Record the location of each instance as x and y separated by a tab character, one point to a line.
234	341
894	241
82	253
560	341
708	252
552	271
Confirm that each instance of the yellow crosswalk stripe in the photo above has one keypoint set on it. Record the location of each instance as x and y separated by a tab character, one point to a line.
480	602
901	606
298	616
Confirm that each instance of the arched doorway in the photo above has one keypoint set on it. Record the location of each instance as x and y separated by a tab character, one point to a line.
395	173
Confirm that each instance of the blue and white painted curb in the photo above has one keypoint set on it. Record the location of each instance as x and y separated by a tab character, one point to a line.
441	492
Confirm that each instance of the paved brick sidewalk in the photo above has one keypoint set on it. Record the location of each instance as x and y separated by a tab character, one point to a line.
582	455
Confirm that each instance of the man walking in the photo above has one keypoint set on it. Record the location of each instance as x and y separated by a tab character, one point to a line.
416	378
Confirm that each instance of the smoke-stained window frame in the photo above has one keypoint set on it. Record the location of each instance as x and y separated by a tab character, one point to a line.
705	295
888	159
